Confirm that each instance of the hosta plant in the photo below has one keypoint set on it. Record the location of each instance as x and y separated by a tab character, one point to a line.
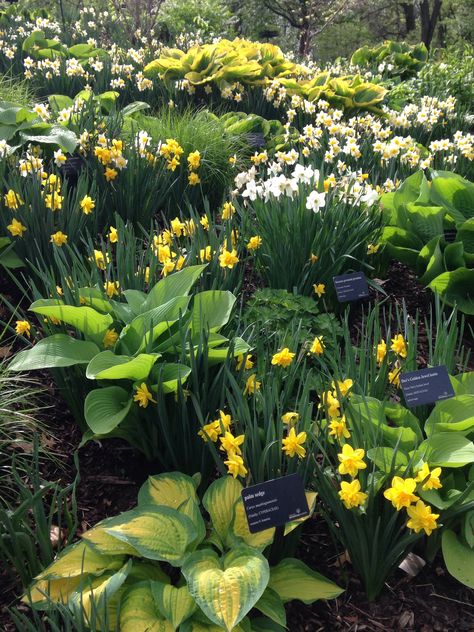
392	58
431	228
160	566
132	350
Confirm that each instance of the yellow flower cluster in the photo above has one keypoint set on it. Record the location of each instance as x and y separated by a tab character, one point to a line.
399	347
110	155
402	495
230	444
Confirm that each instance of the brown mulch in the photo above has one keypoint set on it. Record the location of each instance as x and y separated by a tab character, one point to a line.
111	474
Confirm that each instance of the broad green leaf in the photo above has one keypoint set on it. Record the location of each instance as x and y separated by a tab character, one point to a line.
79	559
105	408
219	501
108	366
466	234
138	612
170	375
226	588
97	593
192	510
43	591
211	310
136	299
262	624
453	256
58	350
93	297
158	533
272	606
458	557
456	288
446	449
292	579
409	190
55	135
425	221
176	284
387	460
171	489
454	192
294	524
455	415
175	604
99	540
463	383
133	336
239	347
434	261
86	319
60	101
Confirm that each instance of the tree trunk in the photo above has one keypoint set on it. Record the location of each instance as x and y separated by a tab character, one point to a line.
409	14
305	39
429	20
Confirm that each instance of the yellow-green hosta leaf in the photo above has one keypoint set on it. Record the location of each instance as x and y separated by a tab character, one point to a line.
226	588
99	540
175	604
139	613
219	501
158	533
58	350
171	489
191	509
79	559
240	529
368	94
292	579
95	594
43	591
142	570
109	366
90	322
311	500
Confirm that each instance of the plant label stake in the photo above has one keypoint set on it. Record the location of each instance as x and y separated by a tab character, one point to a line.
275	502
351	287
426	386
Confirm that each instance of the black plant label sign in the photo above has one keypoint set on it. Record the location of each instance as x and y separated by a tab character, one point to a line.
351	287
275	502
426	386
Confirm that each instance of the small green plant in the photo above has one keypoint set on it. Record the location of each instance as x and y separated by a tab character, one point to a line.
392	58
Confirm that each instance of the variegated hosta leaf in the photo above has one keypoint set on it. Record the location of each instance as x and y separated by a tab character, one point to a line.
191	509
175	604
272	606
99	540
43	591
195	624
158	533
226	588
240	529
292	579
219	501
80	559
311	500
94	595
170	489
138	612
142	571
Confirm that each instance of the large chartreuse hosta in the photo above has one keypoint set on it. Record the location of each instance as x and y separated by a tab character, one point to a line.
255	64
123	345
220	573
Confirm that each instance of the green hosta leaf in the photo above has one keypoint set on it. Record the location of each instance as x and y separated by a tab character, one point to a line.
138	612
454	192
133	337
446	449
60	101
176	284
175	604
426	221
158	533
433	258
387	460
219	501
454	256
456	288
171	489
292	579
463	383
86	319
409	191
170	375
211	310
192	510
215	356
272	606
262	624
459	558
93	297
105	408
466	234
108	366
55	135
368	94
455	415
226	588
80	559
96	594
57	350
